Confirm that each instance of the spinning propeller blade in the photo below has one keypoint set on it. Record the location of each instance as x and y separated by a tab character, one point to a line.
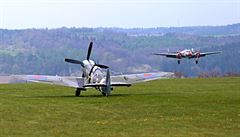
101	66
74	61
89	50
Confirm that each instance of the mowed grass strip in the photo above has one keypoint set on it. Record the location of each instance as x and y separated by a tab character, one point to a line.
169	107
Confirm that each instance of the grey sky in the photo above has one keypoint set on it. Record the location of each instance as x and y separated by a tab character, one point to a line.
16	14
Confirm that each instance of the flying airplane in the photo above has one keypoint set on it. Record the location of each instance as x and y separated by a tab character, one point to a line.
93	76
187	54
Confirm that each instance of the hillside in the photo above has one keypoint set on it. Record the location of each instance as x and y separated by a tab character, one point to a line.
233	29
42	51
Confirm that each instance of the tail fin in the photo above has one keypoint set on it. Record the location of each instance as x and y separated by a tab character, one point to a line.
107	87
108	83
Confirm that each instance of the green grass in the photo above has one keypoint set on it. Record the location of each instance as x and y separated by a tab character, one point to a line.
170	107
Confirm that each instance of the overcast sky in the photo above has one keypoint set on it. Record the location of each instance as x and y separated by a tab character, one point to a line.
18	14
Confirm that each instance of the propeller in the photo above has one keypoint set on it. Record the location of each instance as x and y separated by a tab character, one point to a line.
198	54
80	62
74	61
179	55
96	64
101	66
89	50
88	58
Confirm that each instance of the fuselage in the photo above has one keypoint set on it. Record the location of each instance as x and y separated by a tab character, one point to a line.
186	53
93	73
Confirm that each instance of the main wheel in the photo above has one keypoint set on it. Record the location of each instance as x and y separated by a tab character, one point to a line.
104	94
78	92
196	61
178	61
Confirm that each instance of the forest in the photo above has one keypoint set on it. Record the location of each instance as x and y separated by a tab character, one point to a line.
42	51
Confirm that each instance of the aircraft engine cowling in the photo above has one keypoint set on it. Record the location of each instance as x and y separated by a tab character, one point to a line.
179	55
198	55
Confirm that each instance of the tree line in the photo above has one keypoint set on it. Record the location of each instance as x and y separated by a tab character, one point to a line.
42	51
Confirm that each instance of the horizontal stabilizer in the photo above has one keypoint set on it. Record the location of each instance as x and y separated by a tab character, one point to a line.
104	85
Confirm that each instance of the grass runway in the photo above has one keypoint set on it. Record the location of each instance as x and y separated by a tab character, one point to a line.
170	107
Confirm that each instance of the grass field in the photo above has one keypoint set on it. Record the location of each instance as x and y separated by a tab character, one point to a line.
170	107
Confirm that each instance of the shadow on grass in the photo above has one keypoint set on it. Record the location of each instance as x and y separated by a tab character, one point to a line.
81	96
97	96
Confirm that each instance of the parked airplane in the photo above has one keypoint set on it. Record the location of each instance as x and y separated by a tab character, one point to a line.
94	75
187	54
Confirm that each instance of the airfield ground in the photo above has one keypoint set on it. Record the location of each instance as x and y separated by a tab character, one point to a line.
169	107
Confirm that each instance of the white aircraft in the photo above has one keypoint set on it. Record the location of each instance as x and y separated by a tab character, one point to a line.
94	75
187	54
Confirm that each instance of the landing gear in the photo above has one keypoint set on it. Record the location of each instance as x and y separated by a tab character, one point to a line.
104	94
178	61
196	61
78	92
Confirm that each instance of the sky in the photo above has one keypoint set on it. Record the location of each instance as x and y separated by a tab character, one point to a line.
21	14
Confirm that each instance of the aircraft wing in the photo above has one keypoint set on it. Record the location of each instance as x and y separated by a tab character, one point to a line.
79	82
169	55
104	85
207	53
76	82
129	79
142	77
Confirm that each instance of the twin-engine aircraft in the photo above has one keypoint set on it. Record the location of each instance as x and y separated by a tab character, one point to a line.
93	75
187	54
